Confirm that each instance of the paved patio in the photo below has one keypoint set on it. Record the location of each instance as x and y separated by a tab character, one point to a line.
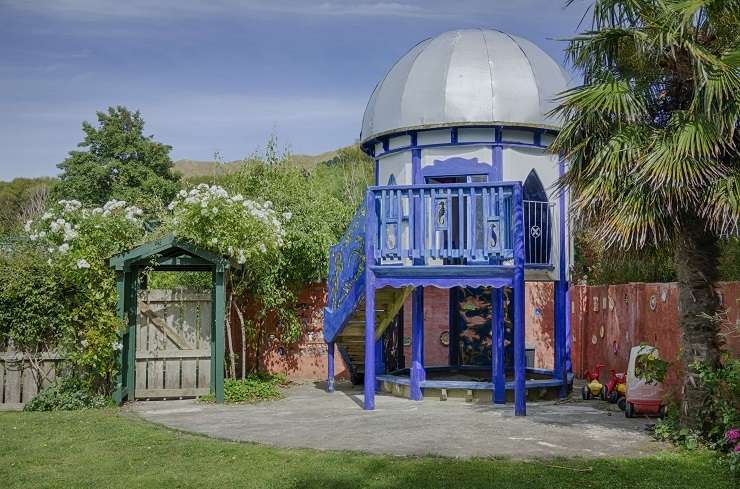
308	417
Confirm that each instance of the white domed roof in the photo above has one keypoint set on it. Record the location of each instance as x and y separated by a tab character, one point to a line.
466	77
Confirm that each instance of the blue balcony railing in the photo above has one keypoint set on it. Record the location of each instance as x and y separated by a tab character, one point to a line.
457	224
432	225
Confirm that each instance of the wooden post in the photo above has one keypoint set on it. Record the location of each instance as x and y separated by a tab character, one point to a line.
218	343
379	360
330	367
497	347
418	375
119	395
132	279
520	383
562	300
370	230
369	402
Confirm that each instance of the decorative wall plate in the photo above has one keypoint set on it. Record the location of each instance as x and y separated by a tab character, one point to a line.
444	338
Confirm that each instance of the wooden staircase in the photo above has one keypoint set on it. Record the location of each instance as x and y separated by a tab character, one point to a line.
351	341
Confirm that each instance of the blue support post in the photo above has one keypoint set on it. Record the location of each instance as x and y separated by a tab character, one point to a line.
330	367
379	360
369	387
418	375
497	347
561	297
520	387
562	302
568	334
369	403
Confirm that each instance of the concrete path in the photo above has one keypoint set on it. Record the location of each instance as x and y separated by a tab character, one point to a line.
308	417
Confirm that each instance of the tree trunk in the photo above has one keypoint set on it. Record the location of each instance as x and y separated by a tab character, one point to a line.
244	340
696	254
229	336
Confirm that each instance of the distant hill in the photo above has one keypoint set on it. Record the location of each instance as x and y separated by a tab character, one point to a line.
204	168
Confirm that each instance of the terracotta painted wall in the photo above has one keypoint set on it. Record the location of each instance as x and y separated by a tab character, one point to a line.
436	322
606	321
306	359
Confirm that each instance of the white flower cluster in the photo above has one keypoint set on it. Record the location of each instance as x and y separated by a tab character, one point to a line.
210	198
61	224
68	206
132	212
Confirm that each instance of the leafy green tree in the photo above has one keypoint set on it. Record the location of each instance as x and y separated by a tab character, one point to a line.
22	199
651	137
118	162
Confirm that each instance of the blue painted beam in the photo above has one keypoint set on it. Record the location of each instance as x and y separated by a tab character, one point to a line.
417	374
472	385
497	346
520	391
330	367
444	271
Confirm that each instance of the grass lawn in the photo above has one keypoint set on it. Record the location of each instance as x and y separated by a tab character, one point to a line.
102	449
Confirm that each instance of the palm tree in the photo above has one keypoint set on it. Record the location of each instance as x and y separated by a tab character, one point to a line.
651	137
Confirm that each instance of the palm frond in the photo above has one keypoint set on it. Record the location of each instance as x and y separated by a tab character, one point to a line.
721	205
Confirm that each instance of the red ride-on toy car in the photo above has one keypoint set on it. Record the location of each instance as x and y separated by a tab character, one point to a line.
593	388
616	387
642	397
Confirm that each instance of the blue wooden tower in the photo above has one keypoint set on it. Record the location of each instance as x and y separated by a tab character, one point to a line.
463	200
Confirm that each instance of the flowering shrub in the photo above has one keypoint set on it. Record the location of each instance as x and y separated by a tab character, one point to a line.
248	231
75	243
720	413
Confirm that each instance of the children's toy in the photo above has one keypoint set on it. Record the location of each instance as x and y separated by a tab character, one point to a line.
641	397
617	386
594	388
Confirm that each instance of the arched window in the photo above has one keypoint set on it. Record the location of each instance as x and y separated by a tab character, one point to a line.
537	221
392	180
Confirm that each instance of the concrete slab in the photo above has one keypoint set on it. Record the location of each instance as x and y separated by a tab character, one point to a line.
308	417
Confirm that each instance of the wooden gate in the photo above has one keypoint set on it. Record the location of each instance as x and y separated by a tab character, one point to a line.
173	343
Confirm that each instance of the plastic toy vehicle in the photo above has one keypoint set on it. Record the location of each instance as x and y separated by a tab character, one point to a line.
616	387
594	388
641	397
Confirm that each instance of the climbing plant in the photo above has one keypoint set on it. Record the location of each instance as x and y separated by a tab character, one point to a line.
57	290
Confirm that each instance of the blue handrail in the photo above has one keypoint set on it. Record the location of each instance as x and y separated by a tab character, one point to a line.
346	282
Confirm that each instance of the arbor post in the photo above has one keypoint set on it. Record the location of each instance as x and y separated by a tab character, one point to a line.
217	334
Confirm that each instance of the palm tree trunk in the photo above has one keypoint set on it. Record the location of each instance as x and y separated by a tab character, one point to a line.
695	255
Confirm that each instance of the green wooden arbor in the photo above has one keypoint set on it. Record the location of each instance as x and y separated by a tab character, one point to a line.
172	255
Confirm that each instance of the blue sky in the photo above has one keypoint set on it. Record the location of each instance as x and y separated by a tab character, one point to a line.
221	75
